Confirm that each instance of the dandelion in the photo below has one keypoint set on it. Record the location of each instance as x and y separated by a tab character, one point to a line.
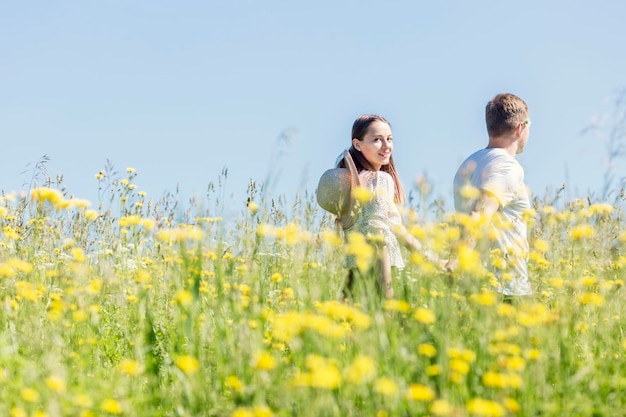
386	386
183	298
188	364
362	251
400	306
419	392
78	254
426	349
513	363
512	405
424	315
242	412
29	395
276	277
469	260
361	194
433	370
361	370
592	299
441	408
262	411
470	192
111	406
331	238
45	194
234	383
18	412
485	298
505	310
463	354
532	354
580	232
501	380
130	367
485	408
459	366
264	361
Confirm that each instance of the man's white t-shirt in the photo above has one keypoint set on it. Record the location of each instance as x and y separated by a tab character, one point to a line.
495	171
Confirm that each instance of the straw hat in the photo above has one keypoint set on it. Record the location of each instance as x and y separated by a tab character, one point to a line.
334	192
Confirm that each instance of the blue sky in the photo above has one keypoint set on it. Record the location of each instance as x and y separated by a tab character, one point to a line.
269	90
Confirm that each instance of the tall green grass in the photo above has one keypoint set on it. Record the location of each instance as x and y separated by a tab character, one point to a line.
145	307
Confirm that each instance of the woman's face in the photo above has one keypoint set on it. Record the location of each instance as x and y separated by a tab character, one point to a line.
376	145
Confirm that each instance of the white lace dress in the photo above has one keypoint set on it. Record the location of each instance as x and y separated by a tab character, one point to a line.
380	215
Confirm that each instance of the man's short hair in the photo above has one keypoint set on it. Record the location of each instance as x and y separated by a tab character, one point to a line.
503	113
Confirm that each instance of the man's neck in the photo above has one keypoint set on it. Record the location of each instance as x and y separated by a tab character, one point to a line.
506	143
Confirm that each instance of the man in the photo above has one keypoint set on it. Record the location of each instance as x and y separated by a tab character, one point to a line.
500	197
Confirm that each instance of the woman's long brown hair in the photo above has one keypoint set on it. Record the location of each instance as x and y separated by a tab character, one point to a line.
359	130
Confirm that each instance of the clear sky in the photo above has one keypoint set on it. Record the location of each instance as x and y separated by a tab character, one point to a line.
269	89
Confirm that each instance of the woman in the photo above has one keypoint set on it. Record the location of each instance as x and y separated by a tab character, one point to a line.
371	151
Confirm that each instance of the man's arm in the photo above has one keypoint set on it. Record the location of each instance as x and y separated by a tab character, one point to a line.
485	207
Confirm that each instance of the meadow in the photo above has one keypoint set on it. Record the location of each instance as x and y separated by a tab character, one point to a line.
136	306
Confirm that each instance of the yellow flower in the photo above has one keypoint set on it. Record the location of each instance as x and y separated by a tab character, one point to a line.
29	395
362	369
361	194
485	408
130	367
262	411
45	194
591	298
433	370
469	260
78	254
386	386
505	310
502	380
340	311
426	349
56	383
459	366
582	231
253	207
485	298
441	408
323	373
362	251
424	315
264	361
183	297
469	192
533	354
18	412
188	364
463	354
242	412
234	383
419	392
91	214
513	363
276	277
512	405
400	306
111	406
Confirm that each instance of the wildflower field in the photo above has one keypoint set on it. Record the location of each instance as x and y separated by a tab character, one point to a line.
141	307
